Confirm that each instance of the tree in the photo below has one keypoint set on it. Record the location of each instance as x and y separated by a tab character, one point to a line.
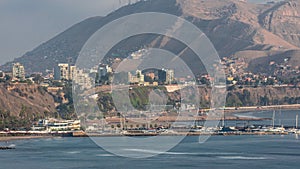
37	78
23	112
264	101
233	100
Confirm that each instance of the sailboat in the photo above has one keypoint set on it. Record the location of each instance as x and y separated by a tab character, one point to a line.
224	128
296	130
273	128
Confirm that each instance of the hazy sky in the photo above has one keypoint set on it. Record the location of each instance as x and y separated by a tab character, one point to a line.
25	24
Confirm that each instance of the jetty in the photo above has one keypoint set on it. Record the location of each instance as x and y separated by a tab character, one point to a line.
6	148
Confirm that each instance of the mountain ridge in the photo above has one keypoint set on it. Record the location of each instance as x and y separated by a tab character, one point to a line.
233	26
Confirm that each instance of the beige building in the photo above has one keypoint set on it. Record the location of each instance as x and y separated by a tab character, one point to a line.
65	71
169	76
83	79
137	78
18	72
72	72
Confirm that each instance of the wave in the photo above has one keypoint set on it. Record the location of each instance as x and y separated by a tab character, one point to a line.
73	152
178	153
104	155
242	158
12	146
158	152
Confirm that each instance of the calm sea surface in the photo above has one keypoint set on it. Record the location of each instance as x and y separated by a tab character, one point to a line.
232	152
224	152
282	117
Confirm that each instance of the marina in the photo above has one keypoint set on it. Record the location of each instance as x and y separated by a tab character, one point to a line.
270	122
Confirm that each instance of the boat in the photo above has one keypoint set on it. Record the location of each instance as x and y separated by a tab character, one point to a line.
295	130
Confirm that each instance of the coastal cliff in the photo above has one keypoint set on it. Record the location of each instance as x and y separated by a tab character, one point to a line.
23	103
238	97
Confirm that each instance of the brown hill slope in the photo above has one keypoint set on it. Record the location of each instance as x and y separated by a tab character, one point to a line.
33	99
284	21
261	32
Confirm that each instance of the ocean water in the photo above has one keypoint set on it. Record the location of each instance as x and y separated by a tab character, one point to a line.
224	152
282	117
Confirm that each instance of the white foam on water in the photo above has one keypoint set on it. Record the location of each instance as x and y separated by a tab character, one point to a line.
177	153
242	158
12	145
104	155
156	152
73	152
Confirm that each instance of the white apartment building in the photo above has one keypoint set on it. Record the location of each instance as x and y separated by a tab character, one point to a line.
18	72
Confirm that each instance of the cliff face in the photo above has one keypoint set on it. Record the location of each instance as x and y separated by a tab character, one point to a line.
260	96
32	100
263	96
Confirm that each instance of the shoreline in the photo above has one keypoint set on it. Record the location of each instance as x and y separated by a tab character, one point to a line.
17	138
262	108
20	138
229	110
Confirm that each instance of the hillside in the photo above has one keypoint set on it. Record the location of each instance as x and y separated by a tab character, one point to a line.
234	27
283	20
21	104
35	100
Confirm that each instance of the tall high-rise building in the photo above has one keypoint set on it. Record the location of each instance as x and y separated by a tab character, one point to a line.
18	71
166	76
72	72
161	76
169	76
64	71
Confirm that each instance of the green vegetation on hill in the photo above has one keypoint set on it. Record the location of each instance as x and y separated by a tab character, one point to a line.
139	98
21	121
260	96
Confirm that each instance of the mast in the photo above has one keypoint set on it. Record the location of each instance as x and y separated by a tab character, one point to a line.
223	121
124	123
273	119
297	121
280	123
